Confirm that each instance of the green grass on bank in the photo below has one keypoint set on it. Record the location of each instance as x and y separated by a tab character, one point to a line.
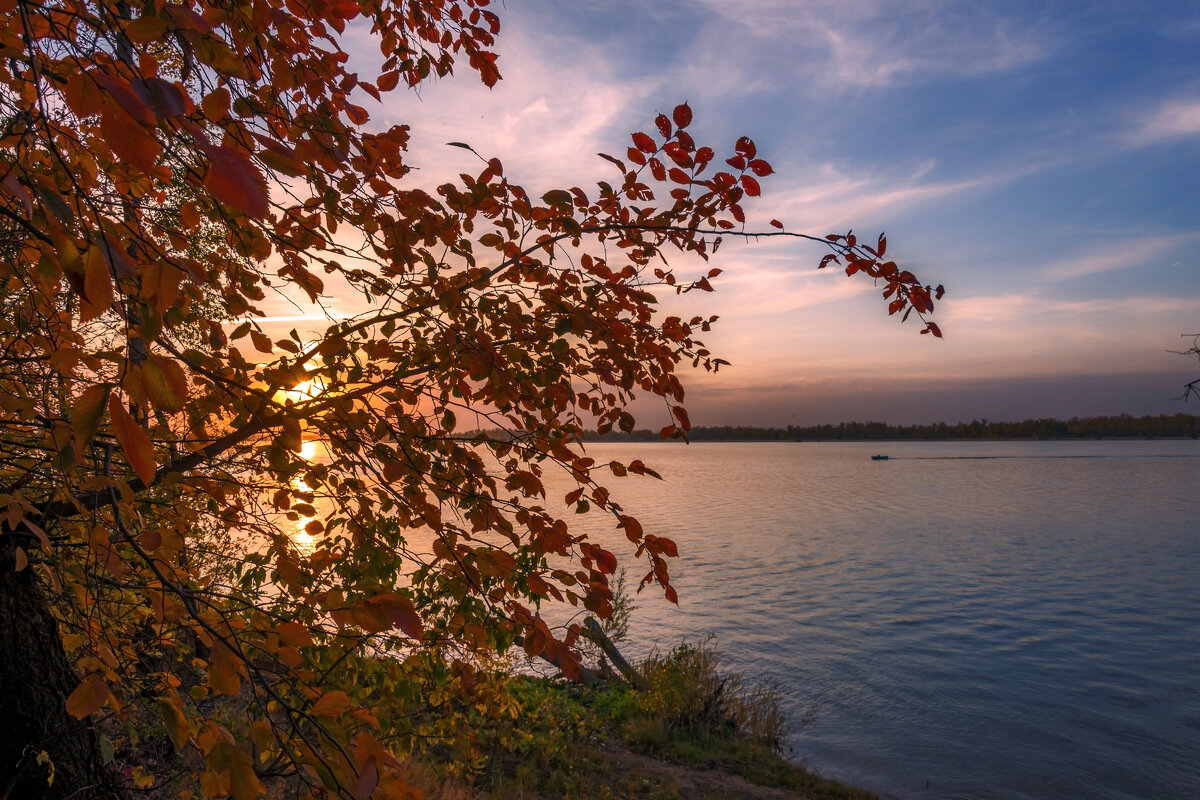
571	741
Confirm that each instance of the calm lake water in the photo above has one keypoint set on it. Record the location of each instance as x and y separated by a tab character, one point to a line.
964	620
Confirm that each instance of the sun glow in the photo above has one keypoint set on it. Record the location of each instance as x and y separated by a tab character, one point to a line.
305	390
308	450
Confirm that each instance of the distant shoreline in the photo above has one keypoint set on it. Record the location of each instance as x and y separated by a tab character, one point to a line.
1177	426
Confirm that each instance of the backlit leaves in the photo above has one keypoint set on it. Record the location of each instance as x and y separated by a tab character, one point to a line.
245	515
134	441
235	181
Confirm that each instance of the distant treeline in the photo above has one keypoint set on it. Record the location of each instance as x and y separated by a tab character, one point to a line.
1124	426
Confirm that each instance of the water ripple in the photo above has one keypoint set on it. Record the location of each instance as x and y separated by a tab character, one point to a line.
996	620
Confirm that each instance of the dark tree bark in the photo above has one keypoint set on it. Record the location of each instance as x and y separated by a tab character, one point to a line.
35	680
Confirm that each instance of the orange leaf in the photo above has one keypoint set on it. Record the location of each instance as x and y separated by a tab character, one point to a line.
91	693
173	719
97	285
89	408
331	704
388	80
165	383
262	342
134	441
294	634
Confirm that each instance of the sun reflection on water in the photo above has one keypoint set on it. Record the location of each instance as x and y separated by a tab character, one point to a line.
306	542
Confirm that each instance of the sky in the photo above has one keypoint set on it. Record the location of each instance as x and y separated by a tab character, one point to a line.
1039	159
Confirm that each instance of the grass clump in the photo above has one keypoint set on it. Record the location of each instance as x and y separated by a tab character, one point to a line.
590	743
698	715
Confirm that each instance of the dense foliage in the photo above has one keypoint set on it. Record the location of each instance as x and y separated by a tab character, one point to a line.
177	575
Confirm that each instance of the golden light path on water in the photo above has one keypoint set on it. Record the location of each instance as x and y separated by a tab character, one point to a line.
306	542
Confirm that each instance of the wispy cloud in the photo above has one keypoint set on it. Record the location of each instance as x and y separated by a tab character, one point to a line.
1178	118
829	198
1110	256
558	105
869	44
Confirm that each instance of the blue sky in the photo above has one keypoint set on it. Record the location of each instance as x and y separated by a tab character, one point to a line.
1042	160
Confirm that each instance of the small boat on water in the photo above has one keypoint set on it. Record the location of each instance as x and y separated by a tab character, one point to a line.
879	458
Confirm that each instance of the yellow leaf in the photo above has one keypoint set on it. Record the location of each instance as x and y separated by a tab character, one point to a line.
214	784
224	669
242	781
175	722
263	734
164	383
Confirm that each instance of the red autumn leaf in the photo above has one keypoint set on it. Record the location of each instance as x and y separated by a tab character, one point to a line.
235	181
663	124
400	611
18	191
657	169
120	94
760	168
751	186
129	140
644	143
776	224
165	99
368	778
682	115
745	146
605	560
262	342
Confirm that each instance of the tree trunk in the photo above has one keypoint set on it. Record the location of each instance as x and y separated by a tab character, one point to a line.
35	680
